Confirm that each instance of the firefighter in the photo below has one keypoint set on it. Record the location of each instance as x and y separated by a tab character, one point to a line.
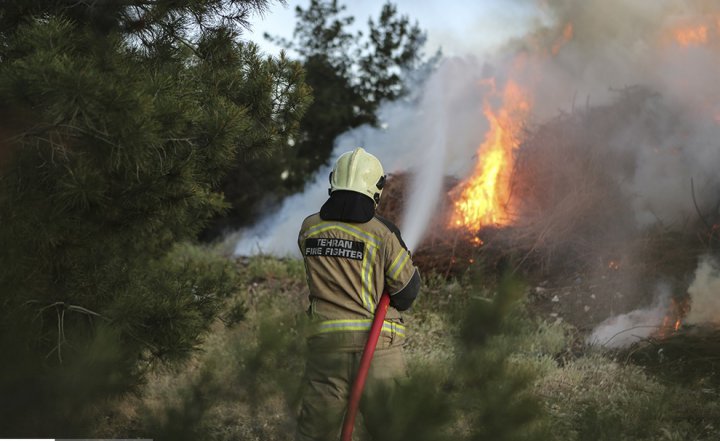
351	255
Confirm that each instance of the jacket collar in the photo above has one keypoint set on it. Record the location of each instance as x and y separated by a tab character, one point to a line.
348	206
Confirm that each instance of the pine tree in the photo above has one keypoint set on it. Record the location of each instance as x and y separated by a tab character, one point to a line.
350	76
482	394
118	121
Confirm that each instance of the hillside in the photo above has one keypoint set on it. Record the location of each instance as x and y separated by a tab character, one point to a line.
244	382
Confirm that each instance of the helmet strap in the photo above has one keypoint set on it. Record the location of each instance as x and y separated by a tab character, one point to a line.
381	182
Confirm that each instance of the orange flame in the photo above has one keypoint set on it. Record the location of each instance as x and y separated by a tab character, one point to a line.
484	198
691	36
567	35
672	322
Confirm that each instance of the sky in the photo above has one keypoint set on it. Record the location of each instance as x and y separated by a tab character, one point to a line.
458	27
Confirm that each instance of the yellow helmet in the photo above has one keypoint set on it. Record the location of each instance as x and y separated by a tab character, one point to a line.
358	171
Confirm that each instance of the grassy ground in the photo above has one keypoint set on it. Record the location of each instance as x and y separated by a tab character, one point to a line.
243	384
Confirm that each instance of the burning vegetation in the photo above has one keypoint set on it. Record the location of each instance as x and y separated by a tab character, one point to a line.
485	198
550	196
552	199
595	188
697	31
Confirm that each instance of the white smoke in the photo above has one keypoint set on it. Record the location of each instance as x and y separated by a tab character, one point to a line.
614	44
617	43
432	135
705	294
624	329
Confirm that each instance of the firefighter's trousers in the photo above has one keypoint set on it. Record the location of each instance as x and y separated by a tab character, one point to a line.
328	378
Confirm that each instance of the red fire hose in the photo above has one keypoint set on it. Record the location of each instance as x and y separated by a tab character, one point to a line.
368	352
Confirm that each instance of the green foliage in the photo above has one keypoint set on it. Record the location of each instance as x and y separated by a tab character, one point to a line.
247	380
372	67
235	313
274	94
38	401
594	398
481	393
350	76
117	125
416	409
688	358
177	300
394	51
244	384
74	357
264	267
494	393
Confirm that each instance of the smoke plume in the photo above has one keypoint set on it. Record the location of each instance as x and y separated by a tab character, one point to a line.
704	309
432	133
624	329
577	57
705	294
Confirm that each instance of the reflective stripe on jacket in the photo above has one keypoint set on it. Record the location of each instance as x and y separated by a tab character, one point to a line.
355	325
348	265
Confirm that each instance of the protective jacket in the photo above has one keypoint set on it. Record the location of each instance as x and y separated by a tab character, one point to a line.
351	255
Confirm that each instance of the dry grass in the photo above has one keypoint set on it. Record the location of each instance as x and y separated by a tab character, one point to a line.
597	398
690	355
242	385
